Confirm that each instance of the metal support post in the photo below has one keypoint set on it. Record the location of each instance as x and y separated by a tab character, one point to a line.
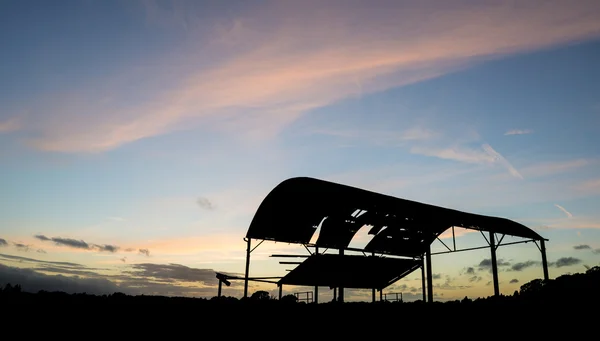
429	276
544	260
247	268
423	286
494	264
341	293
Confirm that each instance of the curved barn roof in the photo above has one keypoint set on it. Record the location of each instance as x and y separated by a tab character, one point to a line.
293	210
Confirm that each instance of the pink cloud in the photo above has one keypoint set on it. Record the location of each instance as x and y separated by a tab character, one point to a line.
294	57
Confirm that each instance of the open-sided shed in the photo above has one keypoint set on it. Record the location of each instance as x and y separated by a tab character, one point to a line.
402	230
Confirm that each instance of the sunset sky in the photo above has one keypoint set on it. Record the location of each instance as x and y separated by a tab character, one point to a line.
137	138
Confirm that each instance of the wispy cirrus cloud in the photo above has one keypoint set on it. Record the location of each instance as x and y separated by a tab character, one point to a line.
569	215
519	132
456	153
575	222
306	55
497	157
381	136
483	155
555	167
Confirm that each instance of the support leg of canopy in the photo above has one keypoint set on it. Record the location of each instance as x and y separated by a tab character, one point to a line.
341	293
247	268
423	286
544	260
494	264
429	276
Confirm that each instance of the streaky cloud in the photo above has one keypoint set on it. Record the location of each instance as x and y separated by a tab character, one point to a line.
33	260
556	167
523	265
565	261
501	160
300	69
569	215
519	132
106	247
78	244
21	247
83	245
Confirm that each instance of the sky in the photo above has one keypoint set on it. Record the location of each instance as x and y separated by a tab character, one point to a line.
138	138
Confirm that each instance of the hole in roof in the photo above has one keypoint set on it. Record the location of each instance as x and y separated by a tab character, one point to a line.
361	213
315	235
355	213
361	238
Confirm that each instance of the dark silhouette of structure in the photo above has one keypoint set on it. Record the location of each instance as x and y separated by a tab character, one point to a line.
402	231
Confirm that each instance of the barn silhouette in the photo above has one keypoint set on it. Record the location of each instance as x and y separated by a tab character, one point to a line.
402	230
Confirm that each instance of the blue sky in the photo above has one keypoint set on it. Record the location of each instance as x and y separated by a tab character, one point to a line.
161	125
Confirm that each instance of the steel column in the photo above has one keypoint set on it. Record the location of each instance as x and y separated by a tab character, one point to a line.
316	297
423	288
373	290
544	260
494	264
429	276
219	292
247	268
280	291
341	293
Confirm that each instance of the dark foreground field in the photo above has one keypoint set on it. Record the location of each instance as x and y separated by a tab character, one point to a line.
567	303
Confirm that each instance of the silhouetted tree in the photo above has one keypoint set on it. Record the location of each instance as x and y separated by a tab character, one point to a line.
260	295
289	298
593	271
532	287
